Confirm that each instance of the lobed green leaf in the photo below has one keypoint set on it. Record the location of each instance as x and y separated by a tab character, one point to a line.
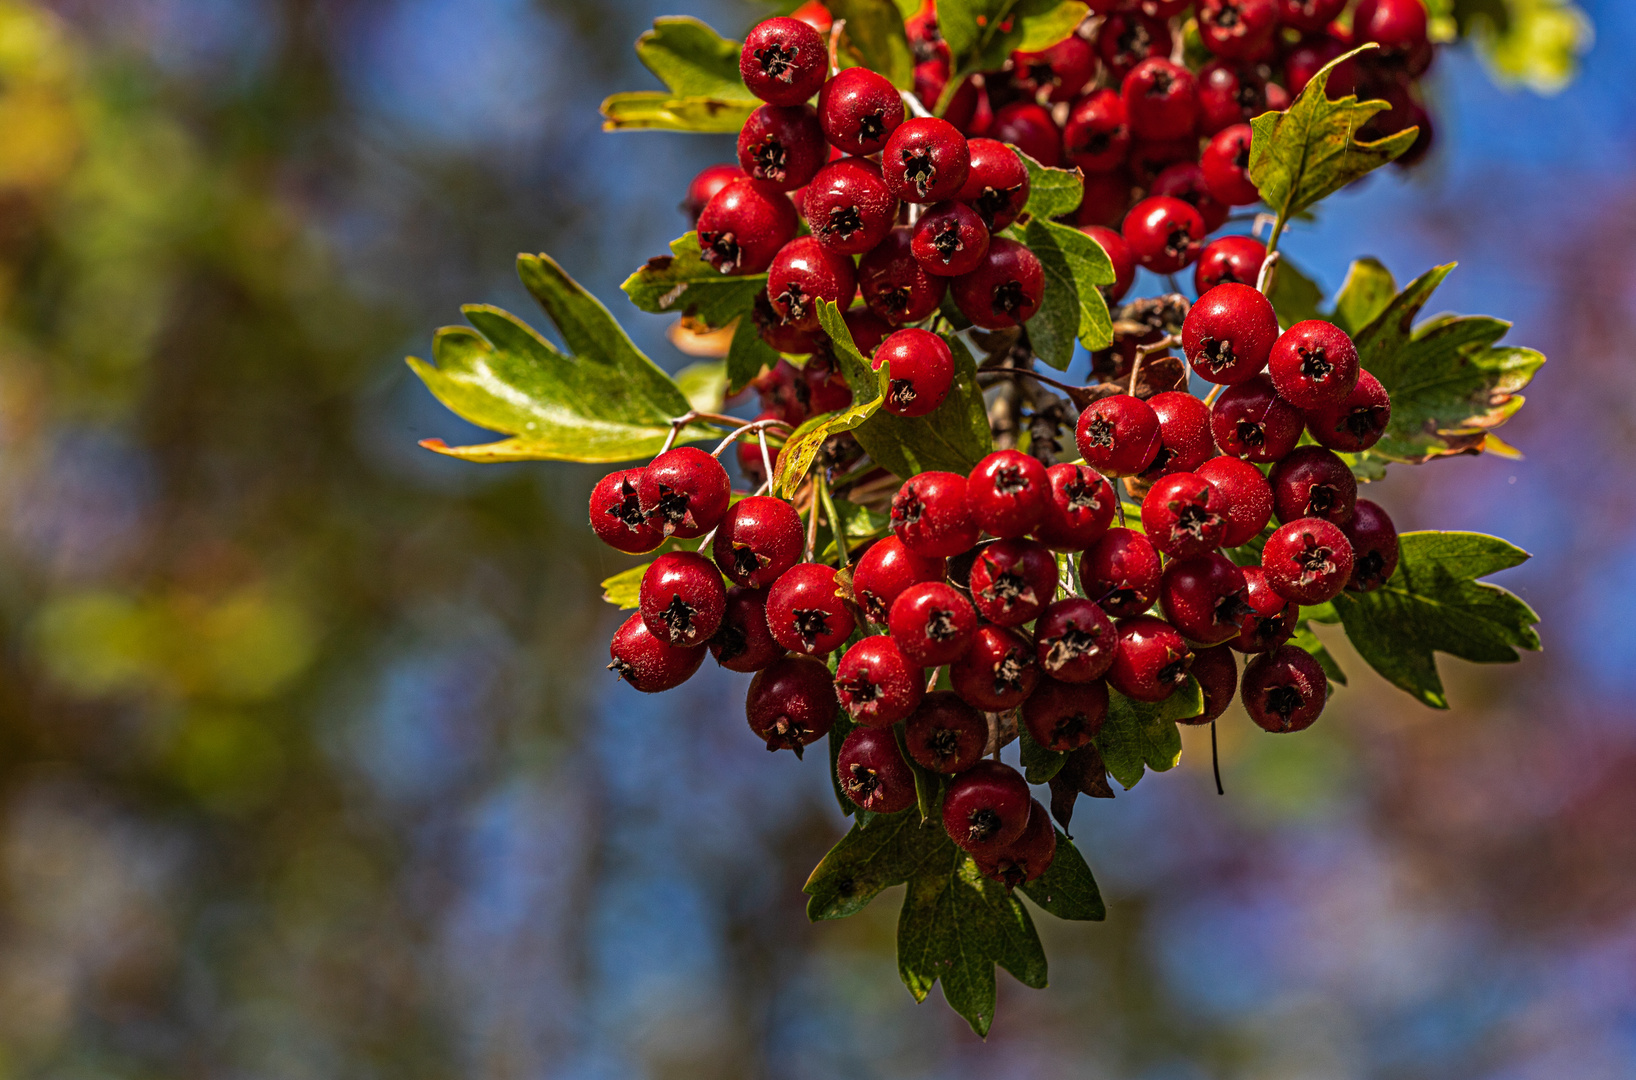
1369	287
661	110
873	38
1295	296
684	283
1072	307
1139	734
1067	889
1051	192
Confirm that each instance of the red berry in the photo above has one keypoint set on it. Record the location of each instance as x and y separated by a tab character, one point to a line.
1308	561
791	703
868	331
1161	100
1237	29
1374	547
1184	434
684	491
1118	435
1203	597
1229	95
925	160
1314	364
776	389
806	611
703	187
1309	14
824	386
782	337
949	239
1118	252
782	145
933	623
1226	166
1008	493
1163	234
1061	70
743	642
894	284
757	540
986	808
871	768
1065	716
920	370
1397	26
682	598
997	183
849	207
743	225
945	735
1079	510
617	517
885	571
1229	333
1217	673
784	61
1152	659
647	663
1121	573
1184	515
1074	640
1029	128
1229	258
877	684
1357	421
929	515
1270	620
1004	290
1097	136
998	672
1252	422
1249	497
1150	157
1311	482
804	272
1285	689
1106	200
815	15
1026	858
859	109
1185	181
1013	580
1127	38
1308	58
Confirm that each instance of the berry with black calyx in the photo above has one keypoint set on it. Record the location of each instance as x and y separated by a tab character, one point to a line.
1374	547
1118	435
1203	597
743	642
1008	493
894	284
848	206
1079	510
782	146
1121	572
1311	482
1237	29
743	225
919	371
1004	290
871	769
791	703
703	187
1030	128
1252	422
945	735
684	491
1271	618
1357	421
682	598
1228	95
1161	100
1097	136
758	539
1249	497
780	335
868	330
1012	581
1184	434
806	611
1309	15
1163	233
930	516
996	183
1074	640
925	160
986	808
1184	180
803	273
1185	515
1127	38
1217	672
1229	259
1065	716
1152	660
1118	252
1026	858
858	110
784	61
998	671
950	239
933	623
1060	71
1229	333
1308	561
648	663
617	517
1313	364
1226	167
877	684
1284	690
885	571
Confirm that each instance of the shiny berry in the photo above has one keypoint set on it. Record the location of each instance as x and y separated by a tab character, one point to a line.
1127	38
1007	493
1217	673
1012	581
998	672
1252	422
1237	29
1080	508
885	571
1074	640
933	623
1121	572
1184	434
868	331
1226	166
617	517
877	684
1065	716
849	207
743	642
871	769
929	515
996	184
1285	689
1061	70
1185	181
648	663
684	491
1006	288
1249	497
1152	659
950	239
1030	128
1118	252
1163	234
1118	435
791	703
1357	421
1308	561
758	539
1229	95
1203	597
1229	258
1270	620
986	808
945	735
1026	858
703	187
1097	135
1229	333
742	227
1161	100
682	598
925	160
1311	482
784	61
1313	364
803	273
1398	26
894	284
1374	547
859	109
782	146
1309	14
1183	515
806	611
920	370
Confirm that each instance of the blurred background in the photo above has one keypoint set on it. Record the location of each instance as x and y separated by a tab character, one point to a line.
308	763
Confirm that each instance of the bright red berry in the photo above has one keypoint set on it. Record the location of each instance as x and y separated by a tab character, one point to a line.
1203	597
986	808
1026	858
1252	422
1074	640
1161	100
1285	689
682	598
1163	234
1217	673
949	239
1030	128
1006	288
1008	493
1184	434
1127	38
1397	26
703	187
1313	364
1013	580
1249	497
1226	166
1184	515
919	371
743	642
804	272
1118	435
1311	482
1229	258
1308	561
782	146
1229	95
1065	716
1097	136
871	769
996	184
784	61
1152	659
859	109
1310	15
933	623
1357	421
684	491
877	684
1374	547
1185	180
925	160
1061	70
648	663
1229	333
849	207
758	539
929	515
1270	620
1121	572
894	284
1080	508
885	571
791	703
617	517
945	735
806	611
1237	29
998	671
743	225
1118	252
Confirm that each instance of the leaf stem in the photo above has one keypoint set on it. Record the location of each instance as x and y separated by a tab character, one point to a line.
812	522
1264	279
1036	376
836	526
915	105
1215	391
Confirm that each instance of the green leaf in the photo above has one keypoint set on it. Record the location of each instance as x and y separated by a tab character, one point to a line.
928	785
747	356
1302	155
1434	603
692	59
874	38
1294	295
624	588
801	449
1067	889
603	401
1039	764
982	34
1305	639
659	110
683	283
1368	289
1138	733
705	384
1042	25
1536	43
1051	192
1073	306
907	8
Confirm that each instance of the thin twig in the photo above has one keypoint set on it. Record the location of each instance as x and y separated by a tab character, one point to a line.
1144	351
1215	392
766	458
915	105
1215	759
1036	376
812	522
1263	280
837	527
759	426
835	29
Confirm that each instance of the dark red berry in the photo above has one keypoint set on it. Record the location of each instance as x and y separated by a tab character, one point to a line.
1311	482
1229	95
1313	364
929	515
782	337
784	61
803	273
1226	166
1203	597
885	571
1013	580
742	227
1027	857
949	239
1184	515
998	671
1121	572
743	642
1079	510
1065	716
758	539
1308	561
1074	640
1237	29
782	145
1270	620
682	598
1229	333
648	663
1118	252
1374	547
1107	198
871	769
1357	421
1161	100
703	187
1397	26
859	109
1249	497
945	735
849	207
791	703
1217	673
1029	128
1152	659
1163	234
1309	15
925	160
776	388
1118	435
1097	136
996	184
933	623
877	684
1151	157
1310	56
894	284
1061	70
1006	288
1128	38
919	371
1252	422
1185	181
868	331
1008	493
986	808
825	385
684	491
806	611
1285	689
617	517
1184	434
1229	258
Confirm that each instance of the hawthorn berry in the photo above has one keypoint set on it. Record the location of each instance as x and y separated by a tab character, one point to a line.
858	110
1229	258
1008	493
996	184
885	571
815	15
1065	716
1310	56
776	389
950	239
1127	38
1237	29
1030	128
1250	421
1074	640
997	672
1184	180
782	146
894	284
877	684
822	386
1150	157
743	225
803	273
1284	689
1397	26
849	207
649	664
1152	659
1226	167
617	517
1118	435
1121	572
986	807
1061	71
1309	15
868	331
1107	198
919	371
1118	252
783	338
684	491
758	539
784	61
1311	482
682	598
1203	598
1161	100
1229	95
872	772
1313	364
1357	421
945	735
1308	561
1026	858
1012	581
1249	497
703	187
1229	333
933	623
925	160
791	703
929	515
1184	434
806	611
1270	620
1097	136
1079	509
1163	233
1185	515
743	642
1374	547
1004	290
